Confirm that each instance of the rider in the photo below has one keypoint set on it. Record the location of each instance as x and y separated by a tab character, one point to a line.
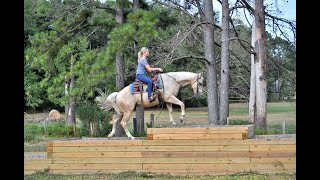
143	65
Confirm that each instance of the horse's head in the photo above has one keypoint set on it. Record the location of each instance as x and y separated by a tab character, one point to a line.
197	84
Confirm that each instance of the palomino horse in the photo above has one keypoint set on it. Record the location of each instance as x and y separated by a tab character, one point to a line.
124	102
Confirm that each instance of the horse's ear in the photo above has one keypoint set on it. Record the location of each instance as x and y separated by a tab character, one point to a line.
200	75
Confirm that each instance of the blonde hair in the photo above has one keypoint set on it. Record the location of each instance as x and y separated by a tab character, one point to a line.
140	53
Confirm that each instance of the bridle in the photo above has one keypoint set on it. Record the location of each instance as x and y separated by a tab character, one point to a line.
198	77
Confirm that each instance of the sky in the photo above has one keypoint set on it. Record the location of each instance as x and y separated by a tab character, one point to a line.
288	7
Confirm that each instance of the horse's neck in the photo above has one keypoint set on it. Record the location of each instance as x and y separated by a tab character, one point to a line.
182	78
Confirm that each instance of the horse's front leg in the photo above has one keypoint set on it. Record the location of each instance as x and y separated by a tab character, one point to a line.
169	106
176	101
124	121
115	119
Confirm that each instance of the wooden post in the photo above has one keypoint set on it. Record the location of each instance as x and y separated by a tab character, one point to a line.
140	114
284	127
135	130
49	150
152	120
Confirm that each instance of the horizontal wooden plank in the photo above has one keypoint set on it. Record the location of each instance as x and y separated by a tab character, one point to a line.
38	161
273	147
97	148
36	166
216	136
273	154
194	154
221	167
97	154
189	172
198	148
192	160
98	143
97	160
129	166
166	142
204	166
89	171
273	160
273	166
196	130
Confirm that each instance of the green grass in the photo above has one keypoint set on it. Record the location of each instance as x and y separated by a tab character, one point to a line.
144	176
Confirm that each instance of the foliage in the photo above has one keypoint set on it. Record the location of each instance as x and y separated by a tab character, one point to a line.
282	67
32	132
239	122
95	122
260	131
60	129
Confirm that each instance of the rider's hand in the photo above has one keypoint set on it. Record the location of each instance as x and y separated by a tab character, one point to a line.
160	70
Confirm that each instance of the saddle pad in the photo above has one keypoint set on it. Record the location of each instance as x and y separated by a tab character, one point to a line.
159	82
131	86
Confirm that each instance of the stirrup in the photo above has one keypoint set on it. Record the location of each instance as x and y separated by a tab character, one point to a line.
152	98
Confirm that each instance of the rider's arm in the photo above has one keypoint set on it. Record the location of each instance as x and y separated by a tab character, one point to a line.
149	69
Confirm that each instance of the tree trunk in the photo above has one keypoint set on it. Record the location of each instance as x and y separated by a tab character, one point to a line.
70	113
213	114
224	89
260	66
66	93
119	56
120	67
252	99
139	109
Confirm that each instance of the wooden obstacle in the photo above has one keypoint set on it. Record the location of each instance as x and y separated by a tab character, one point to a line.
209	133
173	156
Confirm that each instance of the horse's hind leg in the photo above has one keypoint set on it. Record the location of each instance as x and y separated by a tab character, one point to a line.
169	107
115	119
124	121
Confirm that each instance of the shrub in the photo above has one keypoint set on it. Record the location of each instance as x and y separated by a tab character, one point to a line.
33	132
239	122
60	129
95	122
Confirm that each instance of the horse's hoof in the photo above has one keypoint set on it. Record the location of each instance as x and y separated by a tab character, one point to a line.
132	138
173	123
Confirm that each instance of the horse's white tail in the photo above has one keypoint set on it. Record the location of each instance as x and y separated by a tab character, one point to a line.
107	102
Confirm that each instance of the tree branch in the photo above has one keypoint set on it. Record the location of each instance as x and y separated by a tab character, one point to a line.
176	7
194	57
